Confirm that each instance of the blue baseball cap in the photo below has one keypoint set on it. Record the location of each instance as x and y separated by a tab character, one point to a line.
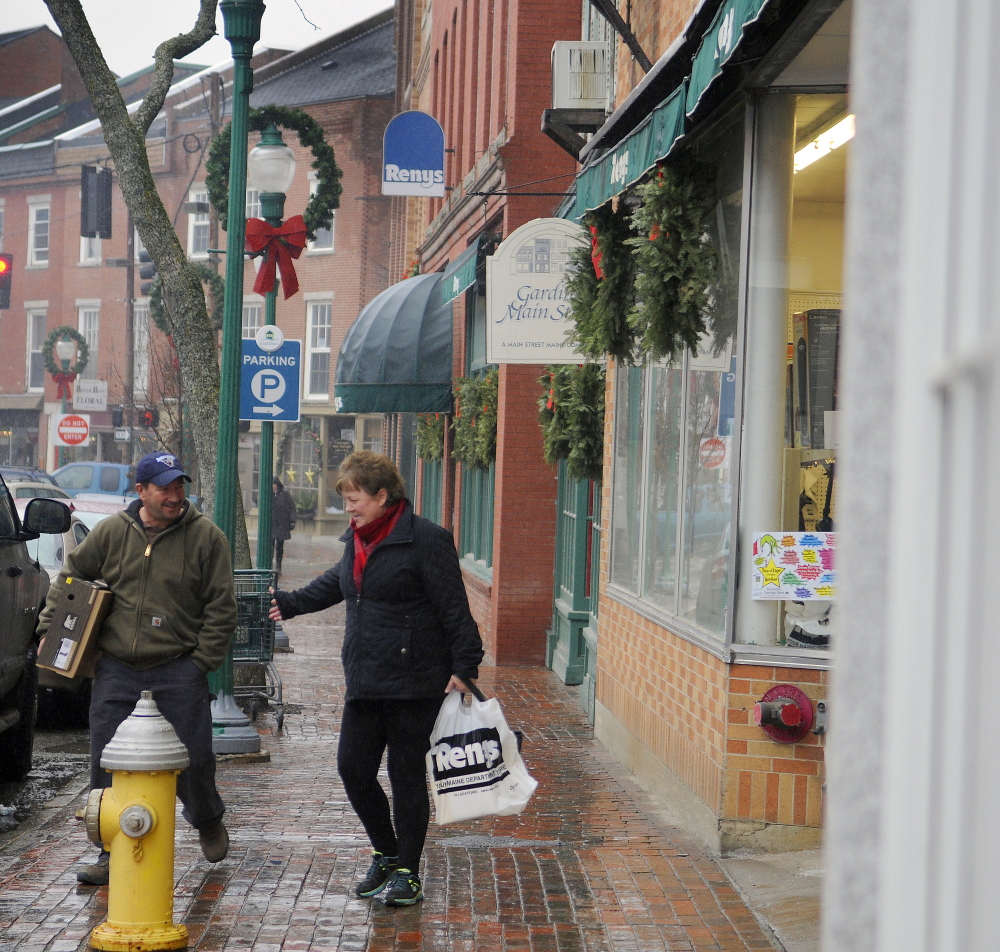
160	468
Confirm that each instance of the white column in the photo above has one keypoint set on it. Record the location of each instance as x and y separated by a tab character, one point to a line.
765	362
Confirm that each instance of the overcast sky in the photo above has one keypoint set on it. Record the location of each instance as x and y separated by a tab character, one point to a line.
129	30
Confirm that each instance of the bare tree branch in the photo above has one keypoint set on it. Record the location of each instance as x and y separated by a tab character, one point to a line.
168	51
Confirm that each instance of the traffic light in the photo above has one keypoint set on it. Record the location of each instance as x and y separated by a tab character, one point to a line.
117	417
149	417
95	202
147	271
6	273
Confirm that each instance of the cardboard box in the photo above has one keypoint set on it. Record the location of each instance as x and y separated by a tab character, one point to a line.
70	645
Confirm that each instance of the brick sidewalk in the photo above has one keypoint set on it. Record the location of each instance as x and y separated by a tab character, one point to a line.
583	868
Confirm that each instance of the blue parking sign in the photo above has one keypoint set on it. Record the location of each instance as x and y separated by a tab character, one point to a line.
269	382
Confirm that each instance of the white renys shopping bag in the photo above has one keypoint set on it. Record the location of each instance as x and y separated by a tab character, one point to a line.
473	764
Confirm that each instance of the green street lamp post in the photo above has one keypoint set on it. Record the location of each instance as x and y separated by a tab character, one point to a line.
271	166
65	348
232	731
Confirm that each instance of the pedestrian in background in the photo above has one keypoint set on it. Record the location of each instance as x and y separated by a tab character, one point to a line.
410	638
282	520
171	622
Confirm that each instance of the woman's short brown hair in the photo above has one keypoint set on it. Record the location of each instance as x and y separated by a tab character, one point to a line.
371	472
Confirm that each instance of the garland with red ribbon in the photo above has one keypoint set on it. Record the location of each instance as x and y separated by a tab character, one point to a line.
279	245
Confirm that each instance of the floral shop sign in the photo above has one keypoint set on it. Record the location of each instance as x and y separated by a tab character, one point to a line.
794	566
526	307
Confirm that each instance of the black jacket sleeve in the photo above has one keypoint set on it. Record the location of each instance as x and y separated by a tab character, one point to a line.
320	593
446	589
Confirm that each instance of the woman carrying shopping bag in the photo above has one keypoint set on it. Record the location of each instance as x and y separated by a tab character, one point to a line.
410	639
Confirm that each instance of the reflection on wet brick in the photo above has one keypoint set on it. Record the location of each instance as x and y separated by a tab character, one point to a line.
583	869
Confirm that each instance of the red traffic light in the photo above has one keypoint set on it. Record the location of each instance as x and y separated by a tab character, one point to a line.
6	276
5	263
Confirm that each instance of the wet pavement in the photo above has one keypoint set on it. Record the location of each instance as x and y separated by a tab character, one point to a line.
585	867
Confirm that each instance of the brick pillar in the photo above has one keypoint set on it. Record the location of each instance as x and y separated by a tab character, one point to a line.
524	524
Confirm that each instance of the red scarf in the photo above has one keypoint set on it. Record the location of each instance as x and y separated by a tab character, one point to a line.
368	536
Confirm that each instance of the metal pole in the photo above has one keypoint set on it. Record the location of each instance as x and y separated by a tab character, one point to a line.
232	732
272	206
129	401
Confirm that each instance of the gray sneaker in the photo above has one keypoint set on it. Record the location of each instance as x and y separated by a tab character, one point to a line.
214	840
96	874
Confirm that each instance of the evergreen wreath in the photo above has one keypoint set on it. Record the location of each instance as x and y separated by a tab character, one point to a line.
600	307
319	211
216	288
82	350
475	420
677	260
430	436
571	415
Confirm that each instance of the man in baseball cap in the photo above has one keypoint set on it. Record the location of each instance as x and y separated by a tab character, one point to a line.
170	624
160	468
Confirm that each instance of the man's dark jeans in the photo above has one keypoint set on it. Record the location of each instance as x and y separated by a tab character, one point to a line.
180	690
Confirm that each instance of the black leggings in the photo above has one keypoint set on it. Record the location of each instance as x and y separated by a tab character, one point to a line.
367	729
279	551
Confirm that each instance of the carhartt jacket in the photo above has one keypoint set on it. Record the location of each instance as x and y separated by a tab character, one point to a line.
409	628
173	596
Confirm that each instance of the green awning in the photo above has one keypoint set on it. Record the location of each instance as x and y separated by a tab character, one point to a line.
460	274
634	156
720	42
396	356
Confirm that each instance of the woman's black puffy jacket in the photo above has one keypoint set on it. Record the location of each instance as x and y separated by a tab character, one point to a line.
409	629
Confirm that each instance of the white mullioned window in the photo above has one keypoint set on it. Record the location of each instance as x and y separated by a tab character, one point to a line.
253	318
319	317
253	203
90	250
324	236
89	325
38	233
37	318
198	225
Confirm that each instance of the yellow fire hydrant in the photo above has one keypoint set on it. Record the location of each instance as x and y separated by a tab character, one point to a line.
134	821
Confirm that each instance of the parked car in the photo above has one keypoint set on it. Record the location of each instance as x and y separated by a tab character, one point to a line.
23	586
25	474
91	508
50	551
110	479
34	490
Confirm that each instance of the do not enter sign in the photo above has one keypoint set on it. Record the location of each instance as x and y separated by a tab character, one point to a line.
70	429
712	452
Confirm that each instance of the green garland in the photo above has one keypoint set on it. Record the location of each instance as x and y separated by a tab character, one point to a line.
475	420
600	312
676	258
571	415
216	289
319	211
430	436
82	350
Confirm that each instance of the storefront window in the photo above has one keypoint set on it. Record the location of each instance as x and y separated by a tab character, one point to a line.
672	490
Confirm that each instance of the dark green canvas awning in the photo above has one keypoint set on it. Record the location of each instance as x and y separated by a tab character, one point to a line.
720	42
461	273
396	357
632	158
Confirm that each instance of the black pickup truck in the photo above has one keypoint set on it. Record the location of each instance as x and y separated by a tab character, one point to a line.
23	586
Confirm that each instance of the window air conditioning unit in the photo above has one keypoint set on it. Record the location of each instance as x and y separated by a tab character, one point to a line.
580	74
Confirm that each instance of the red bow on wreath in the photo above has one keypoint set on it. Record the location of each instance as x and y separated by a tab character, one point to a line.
64	384
595	253
278	245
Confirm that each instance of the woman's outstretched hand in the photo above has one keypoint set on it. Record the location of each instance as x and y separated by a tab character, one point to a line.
274	613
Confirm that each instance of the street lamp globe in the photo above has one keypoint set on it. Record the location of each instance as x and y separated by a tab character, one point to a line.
271	164
65	349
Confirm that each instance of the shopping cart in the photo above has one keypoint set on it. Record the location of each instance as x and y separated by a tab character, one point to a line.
253	643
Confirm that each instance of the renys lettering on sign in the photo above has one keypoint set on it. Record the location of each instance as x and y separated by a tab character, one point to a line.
413	156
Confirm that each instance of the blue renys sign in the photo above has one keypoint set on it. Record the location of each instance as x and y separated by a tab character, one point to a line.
413	156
